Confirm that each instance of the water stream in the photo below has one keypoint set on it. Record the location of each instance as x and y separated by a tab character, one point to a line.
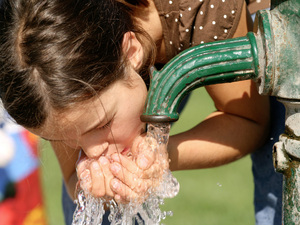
90	210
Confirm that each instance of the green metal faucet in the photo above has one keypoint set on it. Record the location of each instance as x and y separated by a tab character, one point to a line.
271	57
216	62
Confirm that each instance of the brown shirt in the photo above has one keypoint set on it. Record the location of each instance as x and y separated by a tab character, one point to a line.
191	22
255	5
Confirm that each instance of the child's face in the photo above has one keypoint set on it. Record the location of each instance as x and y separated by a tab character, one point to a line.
103	125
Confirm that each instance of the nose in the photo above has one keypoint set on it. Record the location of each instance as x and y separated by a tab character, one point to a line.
95	150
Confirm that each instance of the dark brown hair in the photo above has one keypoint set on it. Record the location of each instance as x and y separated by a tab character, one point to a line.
54	51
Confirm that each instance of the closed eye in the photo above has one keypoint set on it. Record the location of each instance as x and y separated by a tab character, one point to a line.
107	125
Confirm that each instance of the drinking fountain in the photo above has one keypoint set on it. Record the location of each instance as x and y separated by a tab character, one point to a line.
270	56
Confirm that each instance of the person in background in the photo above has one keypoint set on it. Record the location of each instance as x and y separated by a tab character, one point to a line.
256	5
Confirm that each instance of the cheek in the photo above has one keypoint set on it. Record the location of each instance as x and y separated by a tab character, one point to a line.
72	144
127	132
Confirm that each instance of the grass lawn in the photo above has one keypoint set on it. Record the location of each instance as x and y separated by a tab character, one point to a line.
218	196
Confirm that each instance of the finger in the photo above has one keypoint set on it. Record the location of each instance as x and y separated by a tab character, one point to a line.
108	176
135	183
83	174
145	152
124	194
130	166
137	141
125	161
149	156
123	174
122	166
144	160
98	185
81	166
85	181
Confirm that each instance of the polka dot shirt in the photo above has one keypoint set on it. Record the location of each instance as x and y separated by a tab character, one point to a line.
188	23
255	5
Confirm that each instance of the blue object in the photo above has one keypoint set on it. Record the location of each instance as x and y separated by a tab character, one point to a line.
268	183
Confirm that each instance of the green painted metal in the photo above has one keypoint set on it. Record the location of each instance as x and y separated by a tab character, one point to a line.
270	56
280	33
279	37
286	158
291	196
275	3
217	62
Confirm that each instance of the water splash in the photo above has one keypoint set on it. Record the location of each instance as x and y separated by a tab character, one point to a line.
90	210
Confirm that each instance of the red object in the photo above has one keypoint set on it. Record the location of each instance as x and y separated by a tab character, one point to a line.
32	140
26	207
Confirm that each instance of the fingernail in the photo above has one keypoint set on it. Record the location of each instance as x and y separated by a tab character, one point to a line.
95	165
103	161
115	168
143	162
117	198
116	157
85	180
115	184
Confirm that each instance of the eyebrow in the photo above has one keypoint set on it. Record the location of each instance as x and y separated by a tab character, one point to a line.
93	127
101	122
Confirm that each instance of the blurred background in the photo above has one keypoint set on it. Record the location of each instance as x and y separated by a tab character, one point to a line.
218	196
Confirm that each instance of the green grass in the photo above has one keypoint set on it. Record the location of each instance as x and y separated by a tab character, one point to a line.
218	196
52	185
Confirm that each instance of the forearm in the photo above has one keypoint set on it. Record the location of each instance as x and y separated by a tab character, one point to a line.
239	127
218	140
67	158
71	185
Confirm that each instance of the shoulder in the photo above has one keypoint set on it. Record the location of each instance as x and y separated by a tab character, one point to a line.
255	5
186	23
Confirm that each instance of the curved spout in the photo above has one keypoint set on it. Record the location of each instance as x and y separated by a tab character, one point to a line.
217	62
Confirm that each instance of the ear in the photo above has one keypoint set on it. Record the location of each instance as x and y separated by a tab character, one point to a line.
133	50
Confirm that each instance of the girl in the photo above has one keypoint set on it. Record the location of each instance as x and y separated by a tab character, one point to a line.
76	73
